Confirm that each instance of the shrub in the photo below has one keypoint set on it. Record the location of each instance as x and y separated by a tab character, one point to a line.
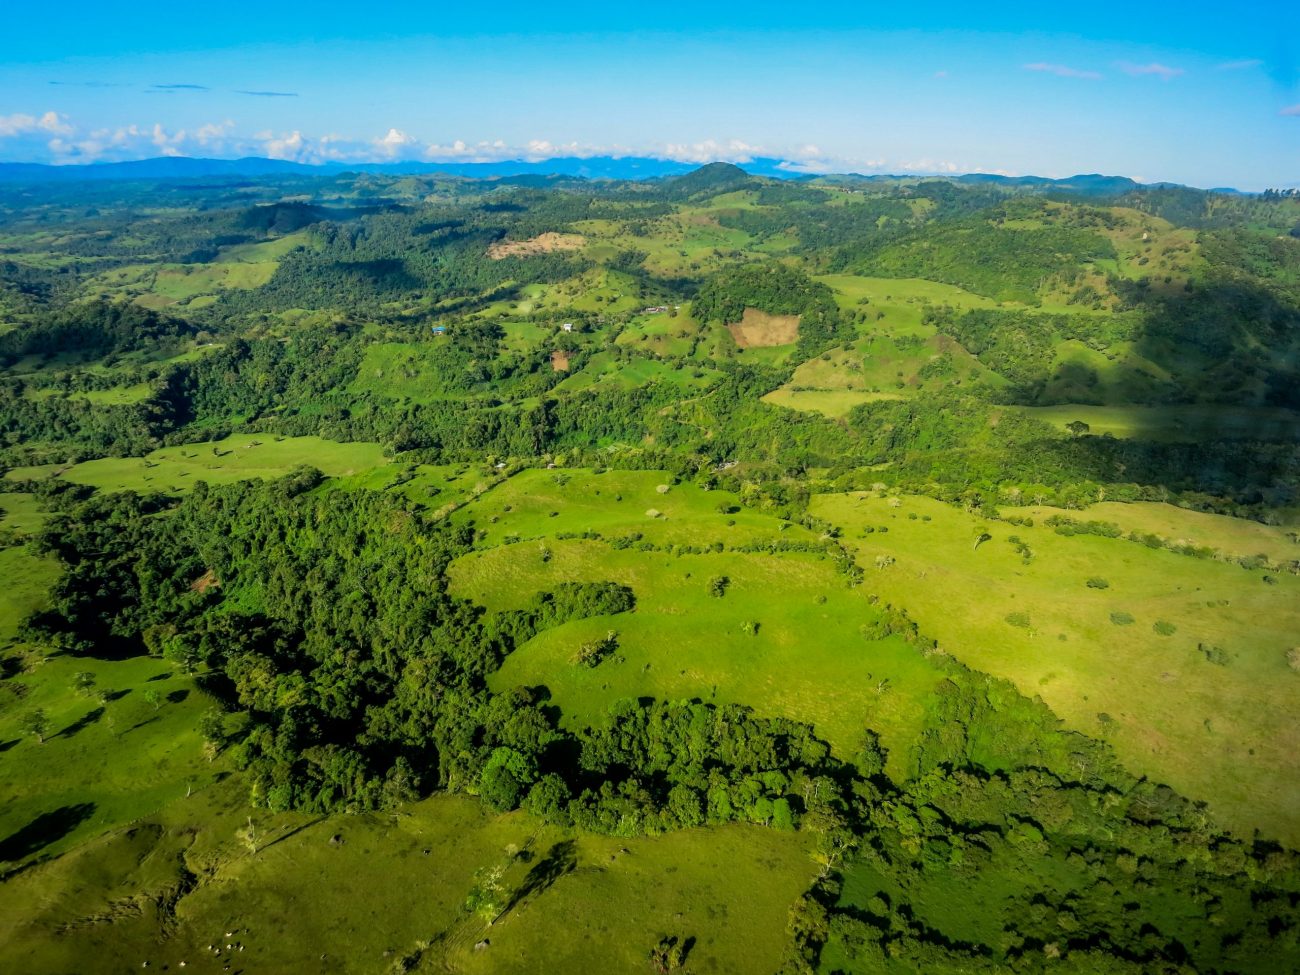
1018	619
1121	618
1215	655
1164	628
718	586
593	652
1097	582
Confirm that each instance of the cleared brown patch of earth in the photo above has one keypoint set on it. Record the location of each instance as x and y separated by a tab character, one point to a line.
560	361
541	244
205	582
757	329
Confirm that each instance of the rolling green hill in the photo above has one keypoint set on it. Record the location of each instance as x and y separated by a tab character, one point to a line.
704	574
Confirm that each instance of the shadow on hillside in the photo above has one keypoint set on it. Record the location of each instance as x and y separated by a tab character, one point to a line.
560	859
45	829
1212	402
82	723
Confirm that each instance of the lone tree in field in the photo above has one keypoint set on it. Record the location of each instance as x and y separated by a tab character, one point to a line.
1077	428
83	682
213	729
36	723
669	955
718	586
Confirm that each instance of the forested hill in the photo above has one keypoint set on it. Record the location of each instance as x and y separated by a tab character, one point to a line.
830	574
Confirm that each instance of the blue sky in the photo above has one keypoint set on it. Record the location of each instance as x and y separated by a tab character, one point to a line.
1202	94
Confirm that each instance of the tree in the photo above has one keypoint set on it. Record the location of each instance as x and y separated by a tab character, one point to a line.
1077	428
505	777
249	836
212	727
487	897
83	682
718	586
182	651
35	722
669	955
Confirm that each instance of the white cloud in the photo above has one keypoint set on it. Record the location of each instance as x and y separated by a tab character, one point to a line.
1062	70
1242	65
1162	71
396	144
732	151
291	147
213	133
53	138
930	166
1290	110
23	124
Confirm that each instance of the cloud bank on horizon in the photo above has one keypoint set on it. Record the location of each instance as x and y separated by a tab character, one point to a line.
1163	93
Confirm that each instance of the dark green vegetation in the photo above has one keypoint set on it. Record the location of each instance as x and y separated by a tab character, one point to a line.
331	502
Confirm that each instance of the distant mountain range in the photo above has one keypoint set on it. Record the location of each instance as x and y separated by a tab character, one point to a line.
594	167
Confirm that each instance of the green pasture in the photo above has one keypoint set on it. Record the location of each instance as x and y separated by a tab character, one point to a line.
808	660
537	504
833	403
115	396
523	337
21	512
1234	537
27	577
105	761
1216	725
386	892
903	300
664	333
238	457
605	369
399	370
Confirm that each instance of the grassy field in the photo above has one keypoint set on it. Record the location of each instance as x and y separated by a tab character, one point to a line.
174	469
1216	725
242	266
1231	536
828	402
901	300
180	885
27	584
104	762
682	642
604	369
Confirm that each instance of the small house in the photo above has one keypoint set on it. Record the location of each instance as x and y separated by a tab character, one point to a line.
440	330
567	327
